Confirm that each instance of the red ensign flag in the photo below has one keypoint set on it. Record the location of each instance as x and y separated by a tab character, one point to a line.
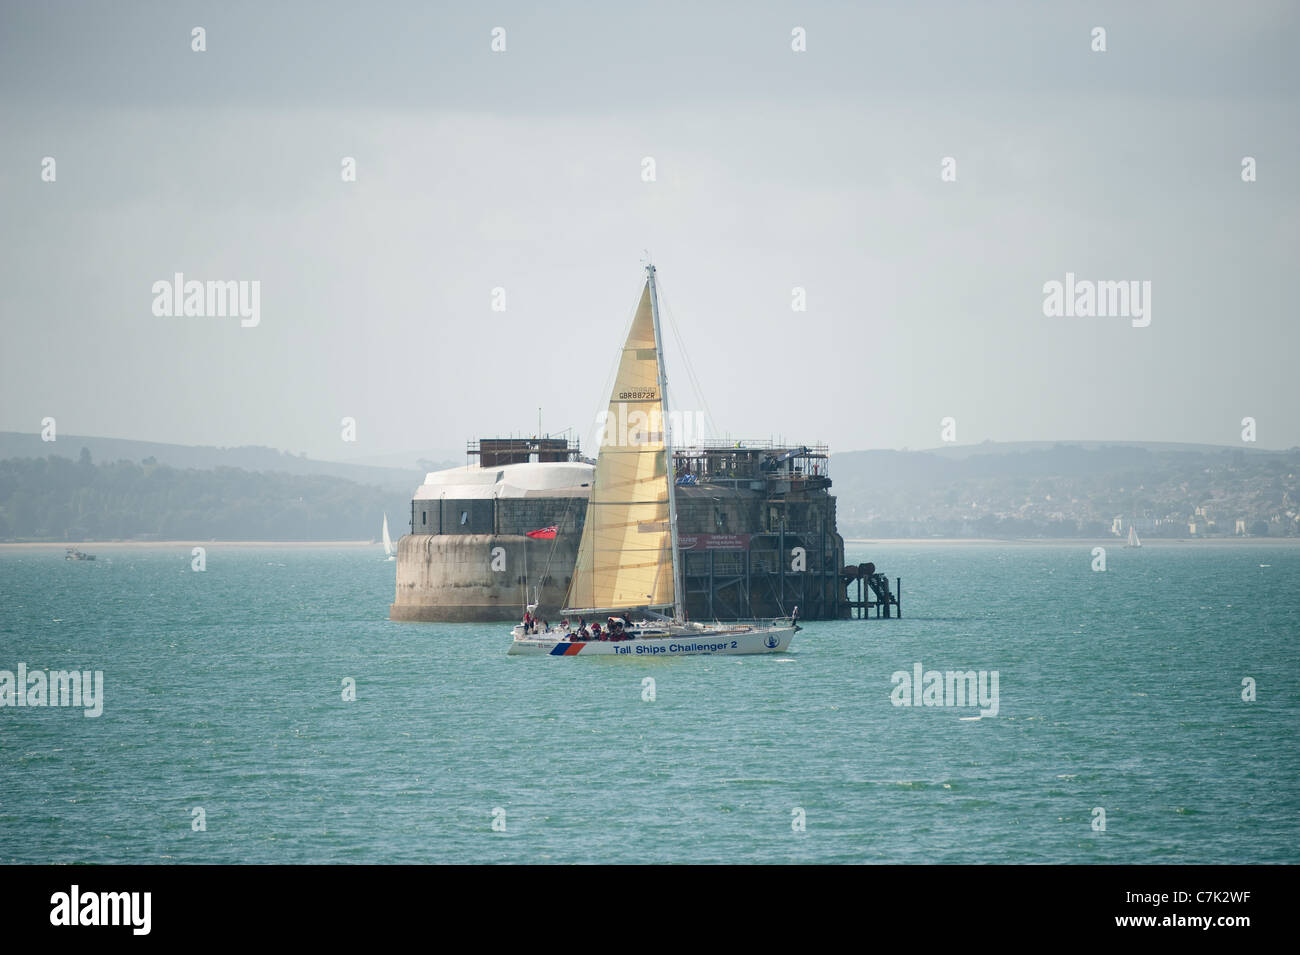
545	533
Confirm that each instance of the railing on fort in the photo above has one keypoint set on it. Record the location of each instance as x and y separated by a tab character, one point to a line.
799	467
494	452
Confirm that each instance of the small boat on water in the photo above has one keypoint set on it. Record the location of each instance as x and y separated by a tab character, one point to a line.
389	552
628	564
1133	540
74	554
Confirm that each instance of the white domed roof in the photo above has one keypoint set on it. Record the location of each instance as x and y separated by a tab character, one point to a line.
551	478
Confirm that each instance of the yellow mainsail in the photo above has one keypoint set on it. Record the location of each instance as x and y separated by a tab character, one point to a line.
625	557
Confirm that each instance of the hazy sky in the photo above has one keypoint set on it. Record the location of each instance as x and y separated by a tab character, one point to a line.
522	170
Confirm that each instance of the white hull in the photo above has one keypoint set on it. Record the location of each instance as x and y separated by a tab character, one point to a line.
688	641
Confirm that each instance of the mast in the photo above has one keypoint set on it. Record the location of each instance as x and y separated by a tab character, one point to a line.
679	613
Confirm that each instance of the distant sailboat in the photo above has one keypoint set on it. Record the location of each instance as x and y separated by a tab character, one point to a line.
389	553
1133	537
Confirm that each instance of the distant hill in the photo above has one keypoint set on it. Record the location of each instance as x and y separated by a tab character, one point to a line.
1066	490
249	458
59	499
139	489
1025	459
1016	447
425	459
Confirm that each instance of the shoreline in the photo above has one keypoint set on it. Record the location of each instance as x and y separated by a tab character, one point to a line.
64	545
1080	541
888	541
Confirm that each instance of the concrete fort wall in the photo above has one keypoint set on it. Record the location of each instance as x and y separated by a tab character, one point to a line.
479	577
467	560
474	569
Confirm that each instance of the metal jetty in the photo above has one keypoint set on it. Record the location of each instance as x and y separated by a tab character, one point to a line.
872	584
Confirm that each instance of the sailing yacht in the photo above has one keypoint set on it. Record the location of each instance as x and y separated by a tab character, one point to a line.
628	568
1133	537
389	553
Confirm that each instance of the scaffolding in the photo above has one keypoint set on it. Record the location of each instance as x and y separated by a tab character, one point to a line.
494	452
754	465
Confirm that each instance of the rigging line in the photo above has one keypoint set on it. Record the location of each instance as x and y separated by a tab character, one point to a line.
555	541
780	604
686	361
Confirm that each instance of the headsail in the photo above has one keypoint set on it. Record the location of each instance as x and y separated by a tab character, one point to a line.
625	557
388	541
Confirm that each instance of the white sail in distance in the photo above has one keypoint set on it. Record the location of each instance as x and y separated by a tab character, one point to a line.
625	557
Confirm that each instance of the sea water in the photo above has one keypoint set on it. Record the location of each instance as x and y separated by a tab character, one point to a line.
1146	713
